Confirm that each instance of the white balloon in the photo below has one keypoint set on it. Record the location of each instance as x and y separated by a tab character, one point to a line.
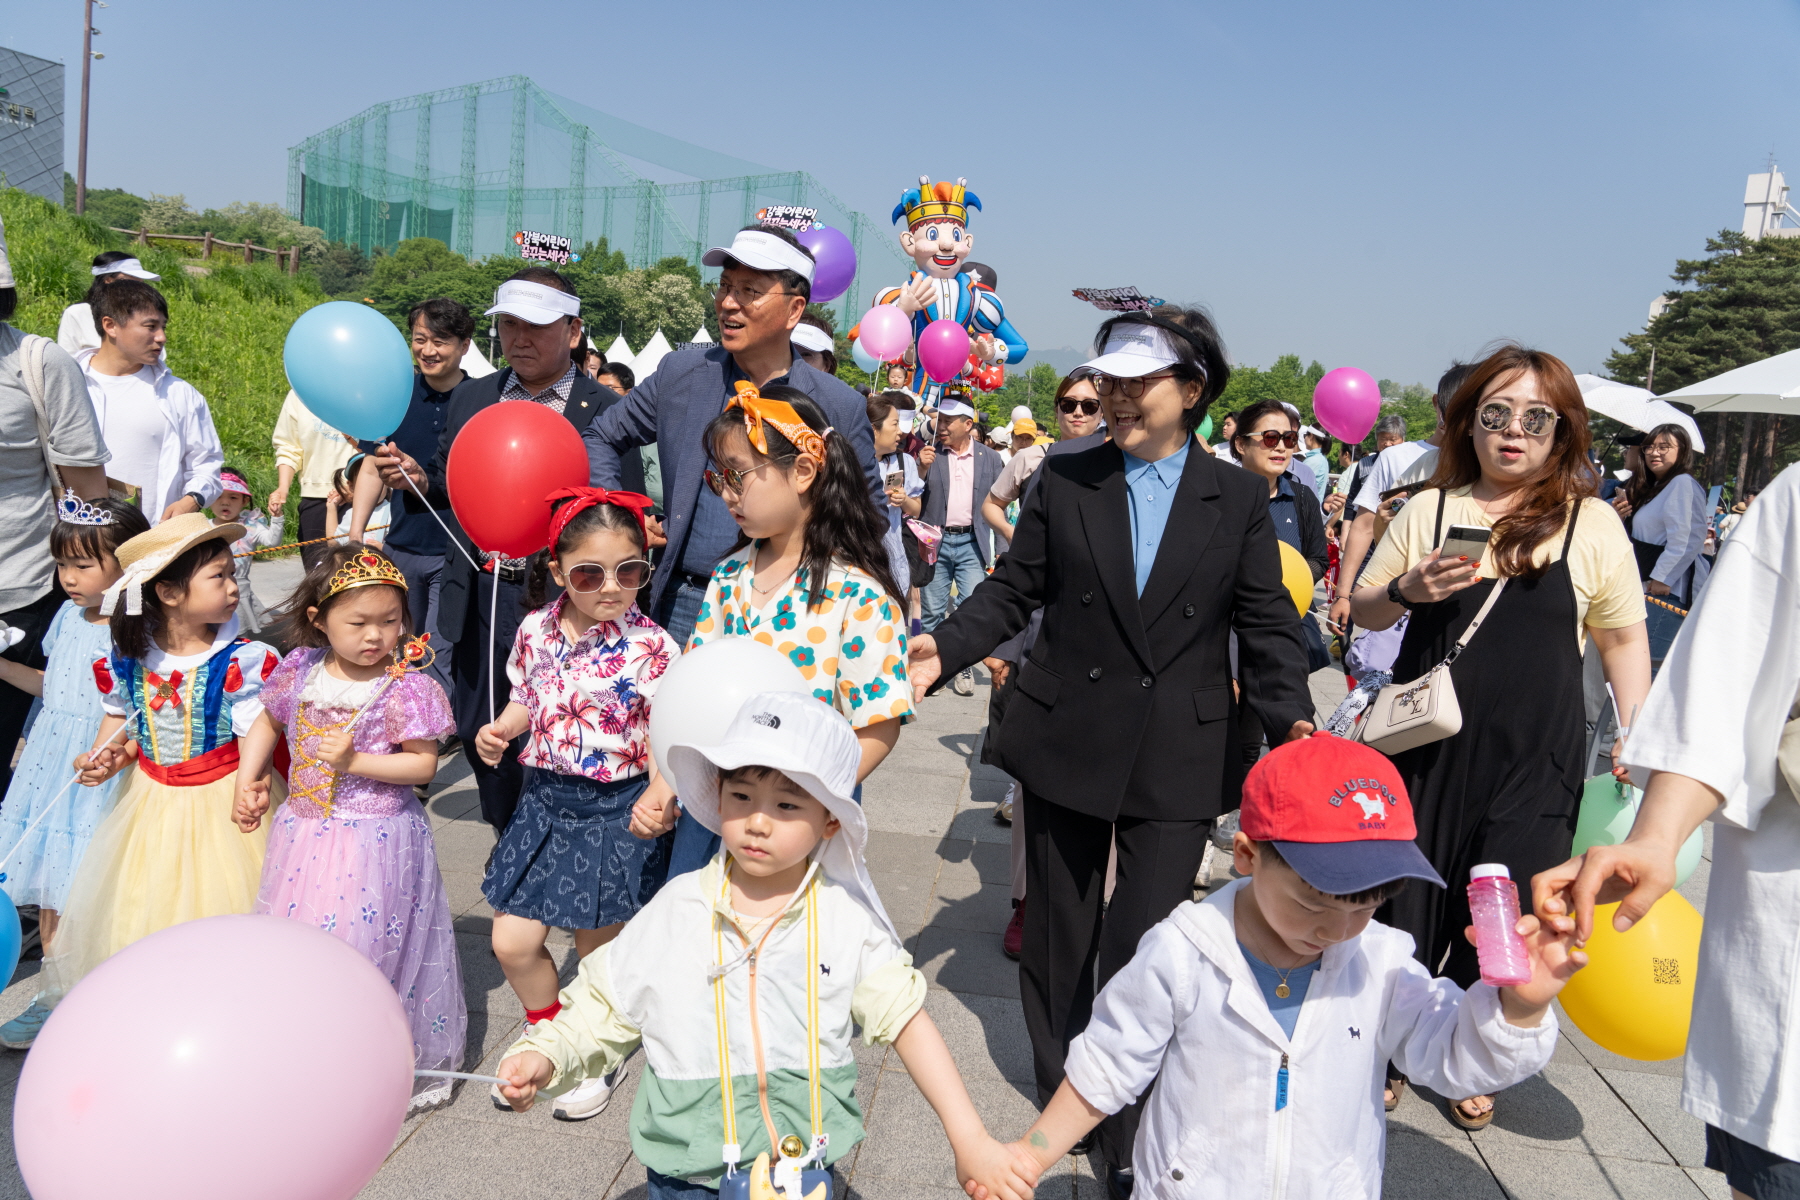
702	691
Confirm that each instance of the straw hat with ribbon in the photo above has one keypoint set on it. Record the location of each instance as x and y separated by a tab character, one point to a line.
145	556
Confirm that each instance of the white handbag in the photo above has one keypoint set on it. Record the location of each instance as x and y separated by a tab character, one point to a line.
1405	715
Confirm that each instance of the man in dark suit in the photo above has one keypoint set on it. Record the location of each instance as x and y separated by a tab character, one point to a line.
539	317
955	485
1145	553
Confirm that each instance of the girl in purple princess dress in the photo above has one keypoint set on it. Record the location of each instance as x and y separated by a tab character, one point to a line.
351	849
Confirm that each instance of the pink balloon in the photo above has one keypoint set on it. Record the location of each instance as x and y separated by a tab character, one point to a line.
885	332
943	349
222	1058
1347	403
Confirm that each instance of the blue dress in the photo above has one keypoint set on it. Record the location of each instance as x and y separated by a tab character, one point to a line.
39	871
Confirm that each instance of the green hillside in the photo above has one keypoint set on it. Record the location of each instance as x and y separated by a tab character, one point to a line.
226	326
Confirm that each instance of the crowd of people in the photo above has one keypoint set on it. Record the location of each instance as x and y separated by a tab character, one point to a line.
1121	583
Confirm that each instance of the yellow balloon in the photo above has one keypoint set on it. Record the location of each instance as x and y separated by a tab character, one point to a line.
1296	576
1636	992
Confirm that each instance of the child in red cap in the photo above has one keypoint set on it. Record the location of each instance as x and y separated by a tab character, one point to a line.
1267	1013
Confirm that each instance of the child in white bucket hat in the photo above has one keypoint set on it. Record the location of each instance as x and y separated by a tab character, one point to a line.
743	980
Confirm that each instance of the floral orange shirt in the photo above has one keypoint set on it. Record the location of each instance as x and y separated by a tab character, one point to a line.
851	646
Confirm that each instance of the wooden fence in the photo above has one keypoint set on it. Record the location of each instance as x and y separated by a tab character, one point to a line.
288	259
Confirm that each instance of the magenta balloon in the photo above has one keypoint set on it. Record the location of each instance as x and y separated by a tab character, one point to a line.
834	261
1347	403
943	349
143	1079
885	332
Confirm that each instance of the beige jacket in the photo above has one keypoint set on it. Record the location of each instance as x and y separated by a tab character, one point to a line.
311	447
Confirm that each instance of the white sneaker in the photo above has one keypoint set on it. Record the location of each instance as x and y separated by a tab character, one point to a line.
589	1098
964	683
1003	811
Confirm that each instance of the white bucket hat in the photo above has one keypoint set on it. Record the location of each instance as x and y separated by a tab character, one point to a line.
812	744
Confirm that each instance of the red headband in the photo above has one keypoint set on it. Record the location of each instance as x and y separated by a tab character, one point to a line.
585	498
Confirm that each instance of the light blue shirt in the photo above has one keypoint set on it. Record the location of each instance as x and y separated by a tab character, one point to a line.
1285	1009
1151	486
1320	466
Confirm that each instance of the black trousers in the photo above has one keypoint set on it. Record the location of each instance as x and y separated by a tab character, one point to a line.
475	683
33	620
1071	949
312	527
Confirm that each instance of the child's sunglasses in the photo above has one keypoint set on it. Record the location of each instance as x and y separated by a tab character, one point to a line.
591	577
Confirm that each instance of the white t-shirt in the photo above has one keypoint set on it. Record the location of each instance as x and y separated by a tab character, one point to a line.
1391	466
134	427
76	332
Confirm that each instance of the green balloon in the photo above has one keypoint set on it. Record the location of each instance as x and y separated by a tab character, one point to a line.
1206	428
1608	808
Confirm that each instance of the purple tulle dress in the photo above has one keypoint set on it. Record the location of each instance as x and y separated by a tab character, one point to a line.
359	862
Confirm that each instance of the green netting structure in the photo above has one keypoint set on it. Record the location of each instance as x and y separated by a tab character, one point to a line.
473	165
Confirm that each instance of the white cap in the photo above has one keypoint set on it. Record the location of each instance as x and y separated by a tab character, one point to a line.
1318	433
534	303
812	744
1134	349
1021	412
954	408
6	275
1489	871
906	419
125	266
811	337
761	250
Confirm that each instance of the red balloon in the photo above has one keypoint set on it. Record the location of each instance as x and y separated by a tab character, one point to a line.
502	465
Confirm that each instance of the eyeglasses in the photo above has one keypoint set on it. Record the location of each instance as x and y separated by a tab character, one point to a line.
1271	438
746	296
591	577
1131	389
1496	417
732	480
1087	407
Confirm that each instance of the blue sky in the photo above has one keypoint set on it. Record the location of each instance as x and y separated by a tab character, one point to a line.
1376	186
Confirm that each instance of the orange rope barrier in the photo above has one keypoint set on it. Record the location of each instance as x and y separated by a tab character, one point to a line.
297	545
1680	612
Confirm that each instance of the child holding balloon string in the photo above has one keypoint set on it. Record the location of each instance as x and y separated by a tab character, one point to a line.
351	851
584	672
47	823
189	686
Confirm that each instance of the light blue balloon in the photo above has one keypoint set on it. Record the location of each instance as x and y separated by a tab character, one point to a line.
10	938
864	359
351	367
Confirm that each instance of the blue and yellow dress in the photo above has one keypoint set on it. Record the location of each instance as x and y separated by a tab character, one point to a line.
169	851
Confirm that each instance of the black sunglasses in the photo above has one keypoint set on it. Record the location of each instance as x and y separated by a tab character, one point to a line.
1088	407
1271	438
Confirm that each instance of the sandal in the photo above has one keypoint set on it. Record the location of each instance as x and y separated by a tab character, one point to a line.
1394	1088
1465	1120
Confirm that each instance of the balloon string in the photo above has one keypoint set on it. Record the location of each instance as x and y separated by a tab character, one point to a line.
407	475
493	637
56	799
465	1075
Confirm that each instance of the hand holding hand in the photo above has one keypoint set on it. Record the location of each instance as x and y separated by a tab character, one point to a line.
925	666
277	501
1635	874
1436	578
989	1170
655	812
251	802
336	749
98	766
525	1073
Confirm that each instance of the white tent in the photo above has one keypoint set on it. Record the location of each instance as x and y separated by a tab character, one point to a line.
1769	386
702	336
475	362
653	352
1635	406
620	352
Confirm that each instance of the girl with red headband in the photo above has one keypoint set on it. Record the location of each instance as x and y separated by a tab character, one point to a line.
584	669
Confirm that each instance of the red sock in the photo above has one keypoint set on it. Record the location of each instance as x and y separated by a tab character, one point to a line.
534	1015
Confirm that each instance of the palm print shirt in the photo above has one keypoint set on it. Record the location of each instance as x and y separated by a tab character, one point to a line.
589	701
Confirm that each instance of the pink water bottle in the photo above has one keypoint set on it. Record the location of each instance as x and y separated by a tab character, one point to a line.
1494	906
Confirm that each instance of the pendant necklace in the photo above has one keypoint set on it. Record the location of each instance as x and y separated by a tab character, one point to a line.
1281	989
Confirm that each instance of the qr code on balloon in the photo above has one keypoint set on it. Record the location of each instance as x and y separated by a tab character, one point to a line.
1665	970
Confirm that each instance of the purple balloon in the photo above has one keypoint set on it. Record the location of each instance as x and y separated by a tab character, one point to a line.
835	258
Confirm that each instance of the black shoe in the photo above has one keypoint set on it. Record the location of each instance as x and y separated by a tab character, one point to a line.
449	745
1085	1145
1119	1181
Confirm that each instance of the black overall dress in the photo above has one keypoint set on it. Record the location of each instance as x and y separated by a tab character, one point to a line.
1507	787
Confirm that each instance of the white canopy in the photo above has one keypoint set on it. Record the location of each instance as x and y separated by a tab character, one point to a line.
620	352
475	362
1635	406
653	352
1771	386
703	336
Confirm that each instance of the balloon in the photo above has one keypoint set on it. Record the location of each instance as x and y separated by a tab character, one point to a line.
11	937
1206	428
113	1098
351	367
944	349
834	261
885	332
1346	402
1636	992
864	359
504	461
1296	577
701	692
1608	808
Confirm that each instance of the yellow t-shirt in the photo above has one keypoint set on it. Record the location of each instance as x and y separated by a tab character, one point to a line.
1608	593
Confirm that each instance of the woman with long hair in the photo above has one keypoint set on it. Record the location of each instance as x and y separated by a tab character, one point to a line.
1505	787
1665	510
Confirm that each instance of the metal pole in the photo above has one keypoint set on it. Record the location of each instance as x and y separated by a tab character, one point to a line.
87	68
1650	376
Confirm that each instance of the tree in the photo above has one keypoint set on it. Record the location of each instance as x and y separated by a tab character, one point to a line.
163	213
1286	381
1033	386
111	207
341	270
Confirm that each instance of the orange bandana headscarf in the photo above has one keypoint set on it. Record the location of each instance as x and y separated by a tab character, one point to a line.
757	410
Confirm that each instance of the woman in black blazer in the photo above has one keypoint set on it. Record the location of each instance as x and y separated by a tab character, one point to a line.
1144	553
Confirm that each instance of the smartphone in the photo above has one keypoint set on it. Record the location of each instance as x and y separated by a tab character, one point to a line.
1466	541
895	479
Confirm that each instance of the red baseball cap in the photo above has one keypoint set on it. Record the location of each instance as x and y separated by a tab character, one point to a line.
1337	812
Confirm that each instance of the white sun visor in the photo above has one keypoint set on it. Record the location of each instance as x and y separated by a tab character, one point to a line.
535	303
761	250
125	266
1132	350
811	337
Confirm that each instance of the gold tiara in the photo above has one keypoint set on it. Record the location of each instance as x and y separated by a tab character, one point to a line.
364	569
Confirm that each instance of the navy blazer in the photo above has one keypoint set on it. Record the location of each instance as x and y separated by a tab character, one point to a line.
935	499
672	408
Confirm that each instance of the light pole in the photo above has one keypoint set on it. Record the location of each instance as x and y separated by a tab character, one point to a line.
87	68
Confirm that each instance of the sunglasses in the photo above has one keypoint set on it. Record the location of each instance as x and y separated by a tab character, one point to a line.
1496	417
731	479
1087	407
591	577
1271	438
1131	389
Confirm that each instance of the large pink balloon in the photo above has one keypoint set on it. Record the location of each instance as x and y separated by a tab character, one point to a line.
219	1059
885	332
1347	402
943	349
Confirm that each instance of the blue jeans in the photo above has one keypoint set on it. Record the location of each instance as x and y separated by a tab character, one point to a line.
958	561
424	582
667	1187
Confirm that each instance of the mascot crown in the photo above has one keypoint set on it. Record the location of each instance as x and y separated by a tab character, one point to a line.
936	202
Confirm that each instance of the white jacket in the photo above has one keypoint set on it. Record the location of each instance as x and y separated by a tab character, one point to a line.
1187	1013
190	459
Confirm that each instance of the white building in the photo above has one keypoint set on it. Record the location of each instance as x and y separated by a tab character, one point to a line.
1765	204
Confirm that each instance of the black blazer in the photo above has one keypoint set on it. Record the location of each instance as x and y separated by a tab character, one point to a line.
587	400
1125	705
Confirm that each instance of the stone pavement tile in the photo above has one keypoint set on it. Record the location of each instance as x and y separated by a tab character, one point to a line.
982	909
965	961
1656	1100
1566	1108
452	805
631	1183
975	823
1533	1172
903	854
978	861
1711	1182
986	1036
904	897
906	1144
916	755
484	984
1569	1037
1429	1168
926	810
452	1159
1422	1112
